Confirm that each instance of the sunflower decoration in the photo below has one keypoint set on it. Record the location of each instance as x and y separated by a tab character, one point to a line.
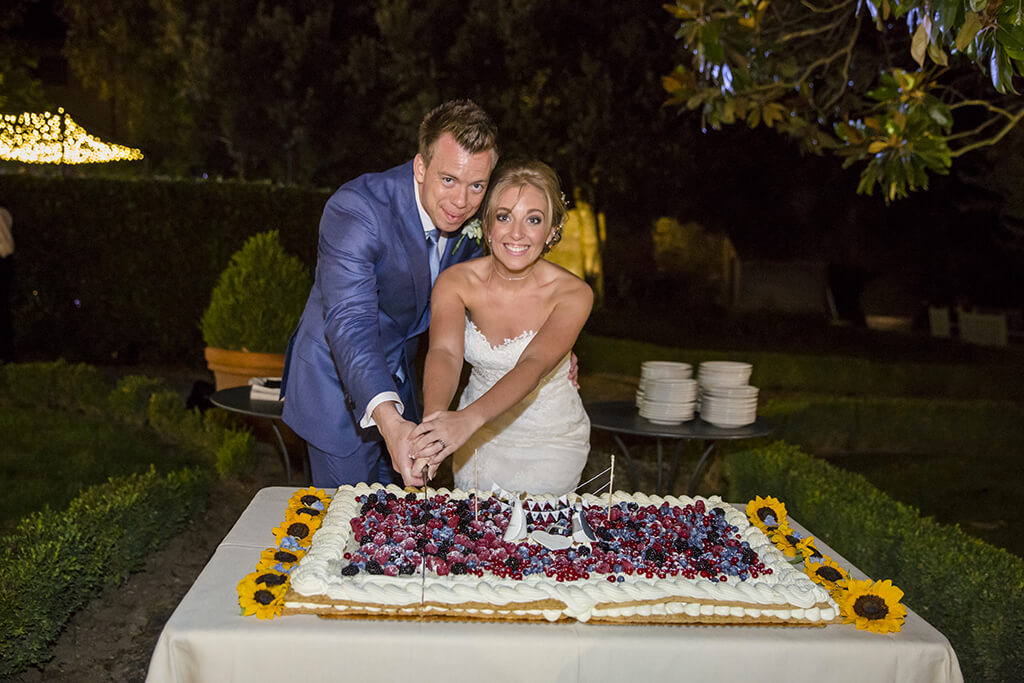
787	541
825	572
309	497
767	514
262	594
295	533
311	517
806	549
872	605
280	560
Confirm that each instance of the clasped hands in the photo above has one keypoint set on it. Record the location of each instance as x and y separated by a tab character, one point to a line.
438	436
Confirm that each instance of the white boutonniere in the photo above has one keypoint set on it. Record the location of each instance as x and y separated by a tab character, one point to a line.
474	230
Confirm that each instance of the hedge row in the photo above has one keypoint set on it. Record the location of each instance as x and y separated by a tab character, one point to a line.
110	269
839	424
835	375
969	590
56	561
135	400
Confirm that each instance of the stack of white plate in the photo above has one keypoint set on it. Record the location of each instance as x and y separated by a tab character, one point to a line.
666	394
724	397
661	369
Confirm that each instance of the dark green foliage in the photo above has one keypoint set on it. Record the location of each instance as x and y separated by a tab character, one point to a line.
122	270
835	375
972	592
258	299
862	424
55	562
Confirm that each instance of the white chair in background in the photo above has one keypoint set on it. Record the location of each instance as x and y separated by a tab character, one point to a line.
984	328
938	321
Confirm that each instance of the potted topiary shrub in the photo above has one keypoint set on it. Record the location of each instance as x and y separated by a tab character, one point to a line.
253	310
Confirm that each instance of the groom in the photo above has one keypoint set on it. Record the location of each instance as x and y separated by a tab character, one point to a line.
349	372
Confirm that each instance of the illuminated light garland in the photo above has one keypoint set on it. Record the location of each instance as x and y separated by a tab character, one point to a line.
49	138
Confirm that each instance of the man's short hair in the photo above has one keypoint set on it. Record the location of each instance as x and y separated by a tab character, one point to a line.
465	121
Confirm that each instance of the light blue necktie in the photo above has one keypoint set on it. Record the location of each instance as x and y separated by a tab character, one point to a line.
432	253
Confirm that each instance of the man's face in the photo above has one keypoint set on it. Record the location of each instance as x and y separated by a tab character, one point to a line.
453	184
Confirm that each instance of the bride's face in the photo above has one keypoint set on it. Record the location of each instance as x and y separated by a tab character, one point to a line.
521	227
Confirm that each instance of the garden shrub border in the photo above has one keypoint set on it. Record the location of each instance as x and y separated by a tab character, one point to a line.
109	529
863	424
971	591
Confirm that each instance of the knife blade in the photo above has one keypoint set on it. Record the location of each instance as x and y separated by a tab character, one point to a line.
424	474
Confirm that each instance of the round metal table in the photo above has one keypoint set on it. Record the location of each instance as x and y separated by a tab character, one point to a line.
621	417
237	400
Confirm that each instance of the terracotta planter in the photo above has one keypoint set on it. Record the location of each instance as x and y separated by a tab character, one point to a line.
234	368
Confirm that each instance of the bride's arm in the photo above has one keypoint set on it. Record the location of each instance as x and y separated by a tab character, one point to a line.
443	365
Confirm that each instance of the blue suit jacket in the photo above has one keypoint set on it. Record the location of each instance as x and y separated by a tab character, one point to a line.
370	301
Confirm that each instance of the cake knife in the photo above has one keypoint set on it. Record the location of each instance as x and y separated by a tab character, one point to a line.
425	474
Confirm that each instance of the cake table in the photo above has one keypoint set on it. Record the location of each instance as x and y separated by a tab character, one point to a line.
207	639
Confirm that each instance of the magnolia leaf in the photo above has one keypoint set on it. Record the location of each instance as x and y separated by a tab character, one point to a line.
754	117
978	5
972	24
886	9
876	147
919	44
937	54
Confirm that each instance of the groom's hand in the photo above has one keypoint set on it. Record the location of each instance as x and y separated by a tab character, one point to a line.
396	429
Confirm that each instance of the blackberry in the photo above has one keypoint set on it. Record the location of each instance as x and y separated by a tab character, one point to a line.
350	570
381	508
406	569
410	497
584	551
512	563
372	499
704	565
633	507
679	545
372	567
605	534
366	507
365	538
459	568
749	556
718	511
655	557
390	497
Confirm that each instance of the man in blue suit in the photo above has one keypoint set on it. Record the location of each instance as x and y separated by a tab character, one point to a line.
349	380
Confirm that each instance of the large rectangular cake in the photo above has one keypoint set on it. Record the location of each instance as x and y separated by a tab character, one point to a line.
385	553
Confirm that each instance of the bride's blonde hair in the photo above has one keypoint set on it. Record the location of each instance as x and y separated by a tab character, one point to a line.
536	174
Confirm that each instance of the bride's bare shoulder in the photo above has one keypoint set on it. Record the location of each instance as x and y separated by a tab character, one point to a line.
564	281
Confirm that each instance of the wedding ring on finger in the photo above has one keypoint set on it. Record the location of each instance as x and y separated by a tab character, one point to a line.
443	444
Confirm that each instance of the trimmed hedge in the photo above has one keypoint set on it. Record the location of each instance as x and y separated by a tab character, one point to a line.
111	269
838	424
969	590
56	561
836	375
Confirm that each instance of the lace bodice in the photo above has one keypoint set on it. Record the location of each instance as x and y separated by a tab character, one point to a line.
539	445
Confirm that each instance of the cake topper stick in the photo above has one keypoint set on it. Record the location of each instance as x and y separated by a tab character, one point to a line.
476	485
611	486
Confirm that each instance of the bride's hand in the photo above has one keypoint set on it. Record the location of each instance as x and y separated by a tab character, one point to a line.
441	434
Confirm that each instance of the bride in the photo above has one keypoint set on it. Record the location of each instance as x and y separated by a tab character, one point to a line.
514	317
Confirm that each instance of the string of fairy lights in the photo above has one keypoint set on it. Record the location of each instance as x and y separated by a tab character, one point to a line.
48	138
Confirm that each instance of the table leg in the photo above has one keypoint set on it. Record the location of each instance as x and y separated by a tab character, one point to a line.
670	485
629	461
695	479
284	452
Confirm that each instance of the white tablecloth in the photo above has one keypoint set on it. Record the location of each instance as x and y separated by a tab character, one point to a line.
207	639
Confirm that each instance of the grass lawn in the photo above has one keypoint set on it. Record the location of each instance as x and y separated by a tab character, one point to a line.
51	456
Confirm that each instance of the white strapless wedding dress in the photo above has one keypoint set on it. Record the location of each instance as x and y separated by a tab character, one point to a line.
540	445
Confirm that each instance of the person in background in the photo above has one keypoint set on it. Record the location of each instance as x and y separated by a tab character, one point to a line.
6	286
349	382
